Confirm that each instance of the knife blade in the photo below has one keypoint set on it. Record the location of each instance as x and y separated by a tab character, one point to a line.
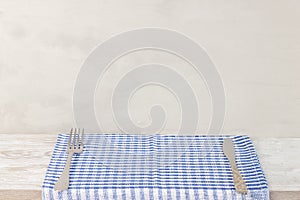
239	183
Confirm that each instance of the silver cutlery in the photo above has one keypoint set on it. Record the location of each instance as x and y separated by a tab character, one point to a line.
239	183
75	145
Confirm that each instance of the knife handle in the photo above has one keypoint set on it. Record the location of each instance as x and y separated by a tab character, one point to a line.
238	180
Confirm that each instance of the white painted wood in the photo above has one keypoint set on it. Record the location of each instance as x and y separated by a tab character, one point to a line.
24	160
280	160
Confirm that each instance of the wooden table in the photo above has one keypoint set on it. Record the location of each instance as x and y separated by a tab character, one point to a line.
24	159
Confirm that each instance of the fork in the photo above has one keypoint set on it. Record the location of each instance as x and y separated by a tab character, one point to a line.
75	145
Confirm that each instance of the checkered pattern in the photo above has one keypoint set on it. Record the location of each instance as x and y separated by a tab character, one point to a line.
121	166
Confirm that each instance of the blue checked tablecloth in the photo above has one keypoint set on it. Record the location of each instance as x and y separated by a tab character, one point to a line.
121	166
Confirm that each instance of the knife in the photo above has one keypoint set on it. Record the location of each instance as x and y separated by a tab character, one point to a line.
238	180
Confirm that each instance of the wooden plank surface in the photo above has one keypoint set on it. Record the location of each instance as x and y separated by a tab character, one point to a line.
279	158
20	194
24	159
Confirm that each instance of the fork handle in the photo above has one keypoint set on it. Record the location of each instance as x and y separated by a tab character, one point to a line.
238	180
63	181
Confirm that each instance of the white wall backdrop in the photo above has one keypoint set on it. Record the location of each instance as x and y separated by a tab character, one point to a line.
255	46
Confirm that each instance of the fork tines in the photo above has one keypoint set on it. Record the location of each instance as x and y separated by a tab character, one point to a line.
76	138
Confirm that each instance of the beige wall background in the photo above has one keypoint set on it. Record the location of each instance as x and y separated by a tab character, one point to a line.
255	46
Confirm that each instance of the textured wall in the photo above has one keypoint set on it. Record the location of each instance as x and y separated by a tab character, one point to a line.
254	44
